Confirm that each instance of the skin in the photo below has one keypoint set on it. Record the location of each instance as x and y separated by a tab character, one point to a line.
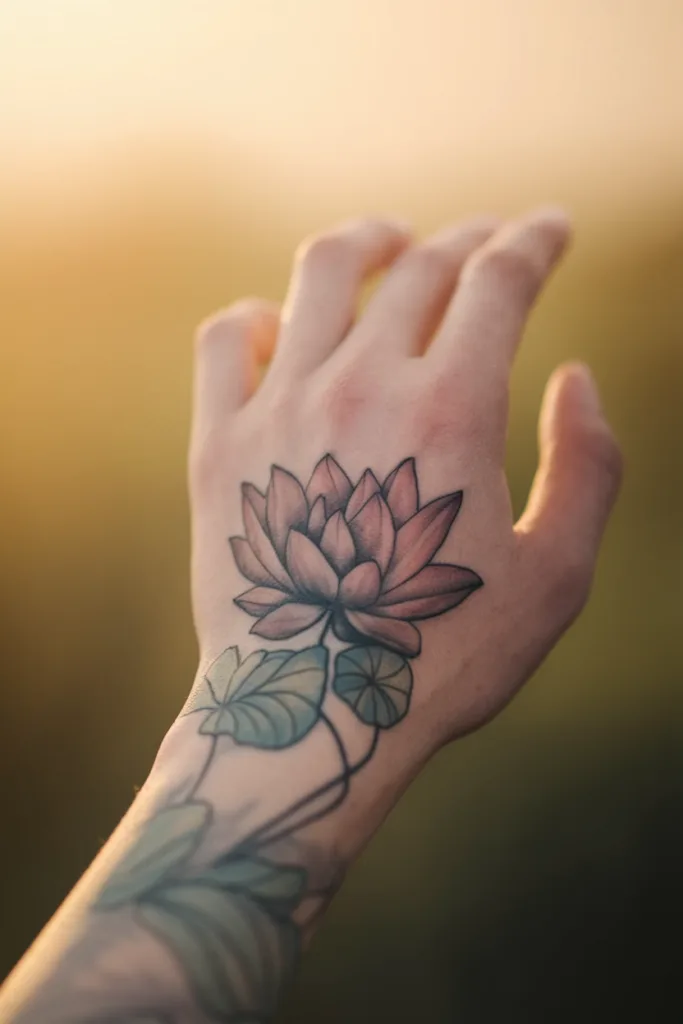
423	371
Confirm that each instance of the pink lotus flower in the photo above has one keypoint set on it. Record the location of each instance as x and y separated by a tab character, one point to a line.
361	555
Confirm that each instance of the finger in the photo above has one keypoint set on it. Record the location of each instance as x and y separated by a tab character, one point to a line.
576	484
230	347
407	307
498	286
323	294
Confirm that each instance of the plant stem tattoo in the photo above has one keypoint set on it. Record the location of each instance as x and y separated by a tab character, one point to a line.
356	562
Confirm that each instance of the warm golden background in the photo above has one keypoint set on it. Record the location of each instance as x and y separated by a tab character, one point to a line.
160	159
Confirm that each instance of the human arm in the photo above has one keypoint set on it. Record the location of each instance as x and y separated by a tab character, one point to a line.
392	613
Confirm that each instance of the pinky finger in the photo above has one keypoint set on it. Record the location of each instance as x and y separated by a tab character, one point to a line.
230	347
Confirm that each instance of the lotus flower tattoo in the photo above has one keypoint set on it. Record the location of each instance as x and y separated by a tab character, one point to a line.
360	555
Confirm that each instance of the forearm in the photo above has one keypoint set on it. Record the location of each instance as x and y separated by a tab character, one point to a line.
200	904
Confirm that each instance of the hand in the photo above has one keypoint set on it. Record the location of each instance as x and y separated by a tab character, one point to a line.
422	374
373	540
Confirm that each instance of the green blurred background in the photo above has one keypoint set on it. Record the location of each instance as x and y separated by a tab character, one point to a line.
158	161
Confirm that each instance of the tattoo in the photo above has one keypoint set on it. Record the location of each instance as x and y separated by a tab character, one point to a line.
358	557
356	562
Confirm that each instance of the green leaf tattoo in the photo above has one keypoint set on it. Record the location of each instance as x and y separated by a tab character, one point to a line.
275	885
357	560
169	839
270	700
236	950
375	683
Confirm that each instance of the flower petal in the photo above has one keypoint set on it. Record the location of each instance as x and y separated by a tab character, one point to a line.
260	600
420	538
312	574
373	531
337	543
362	492
437	578
401	492
395	634
331	482
287	620
247	562
257	502
432	591
317	518
286	507
361	586
261	546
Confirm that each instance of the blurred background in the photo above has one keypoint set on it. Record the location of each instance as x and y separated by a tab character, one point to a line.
158	160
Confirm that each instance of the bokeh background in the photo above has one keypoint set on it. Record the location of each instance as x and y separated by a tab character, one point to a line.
159	159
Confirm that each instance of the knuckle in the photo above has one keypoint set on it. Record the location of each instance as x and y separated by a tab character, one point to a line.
435	424
344	398
349	238
321	252
507	266
344	404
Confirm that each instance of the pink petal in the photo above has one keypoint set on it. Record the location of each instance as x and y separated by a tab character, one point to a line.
317	518
360	587
286	507
248	564
362	492
420	538
401	493
312	574
260	600
439	578
395	634
257	502
261	545
331	482
286	621
434	590
373	531
337	543
424	607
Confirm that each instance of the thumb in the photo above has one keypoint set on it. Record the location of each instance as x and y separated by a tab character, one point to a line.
577	480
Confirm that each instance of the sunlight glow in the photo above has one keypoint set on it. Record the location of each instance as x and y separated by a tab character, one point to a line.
344	92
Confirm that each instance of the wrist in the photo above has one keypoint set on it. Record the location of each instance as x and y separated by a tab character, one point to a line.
329	777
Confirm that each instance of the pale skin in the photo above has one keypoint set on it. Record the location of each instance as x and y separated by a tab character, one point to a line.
423	372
